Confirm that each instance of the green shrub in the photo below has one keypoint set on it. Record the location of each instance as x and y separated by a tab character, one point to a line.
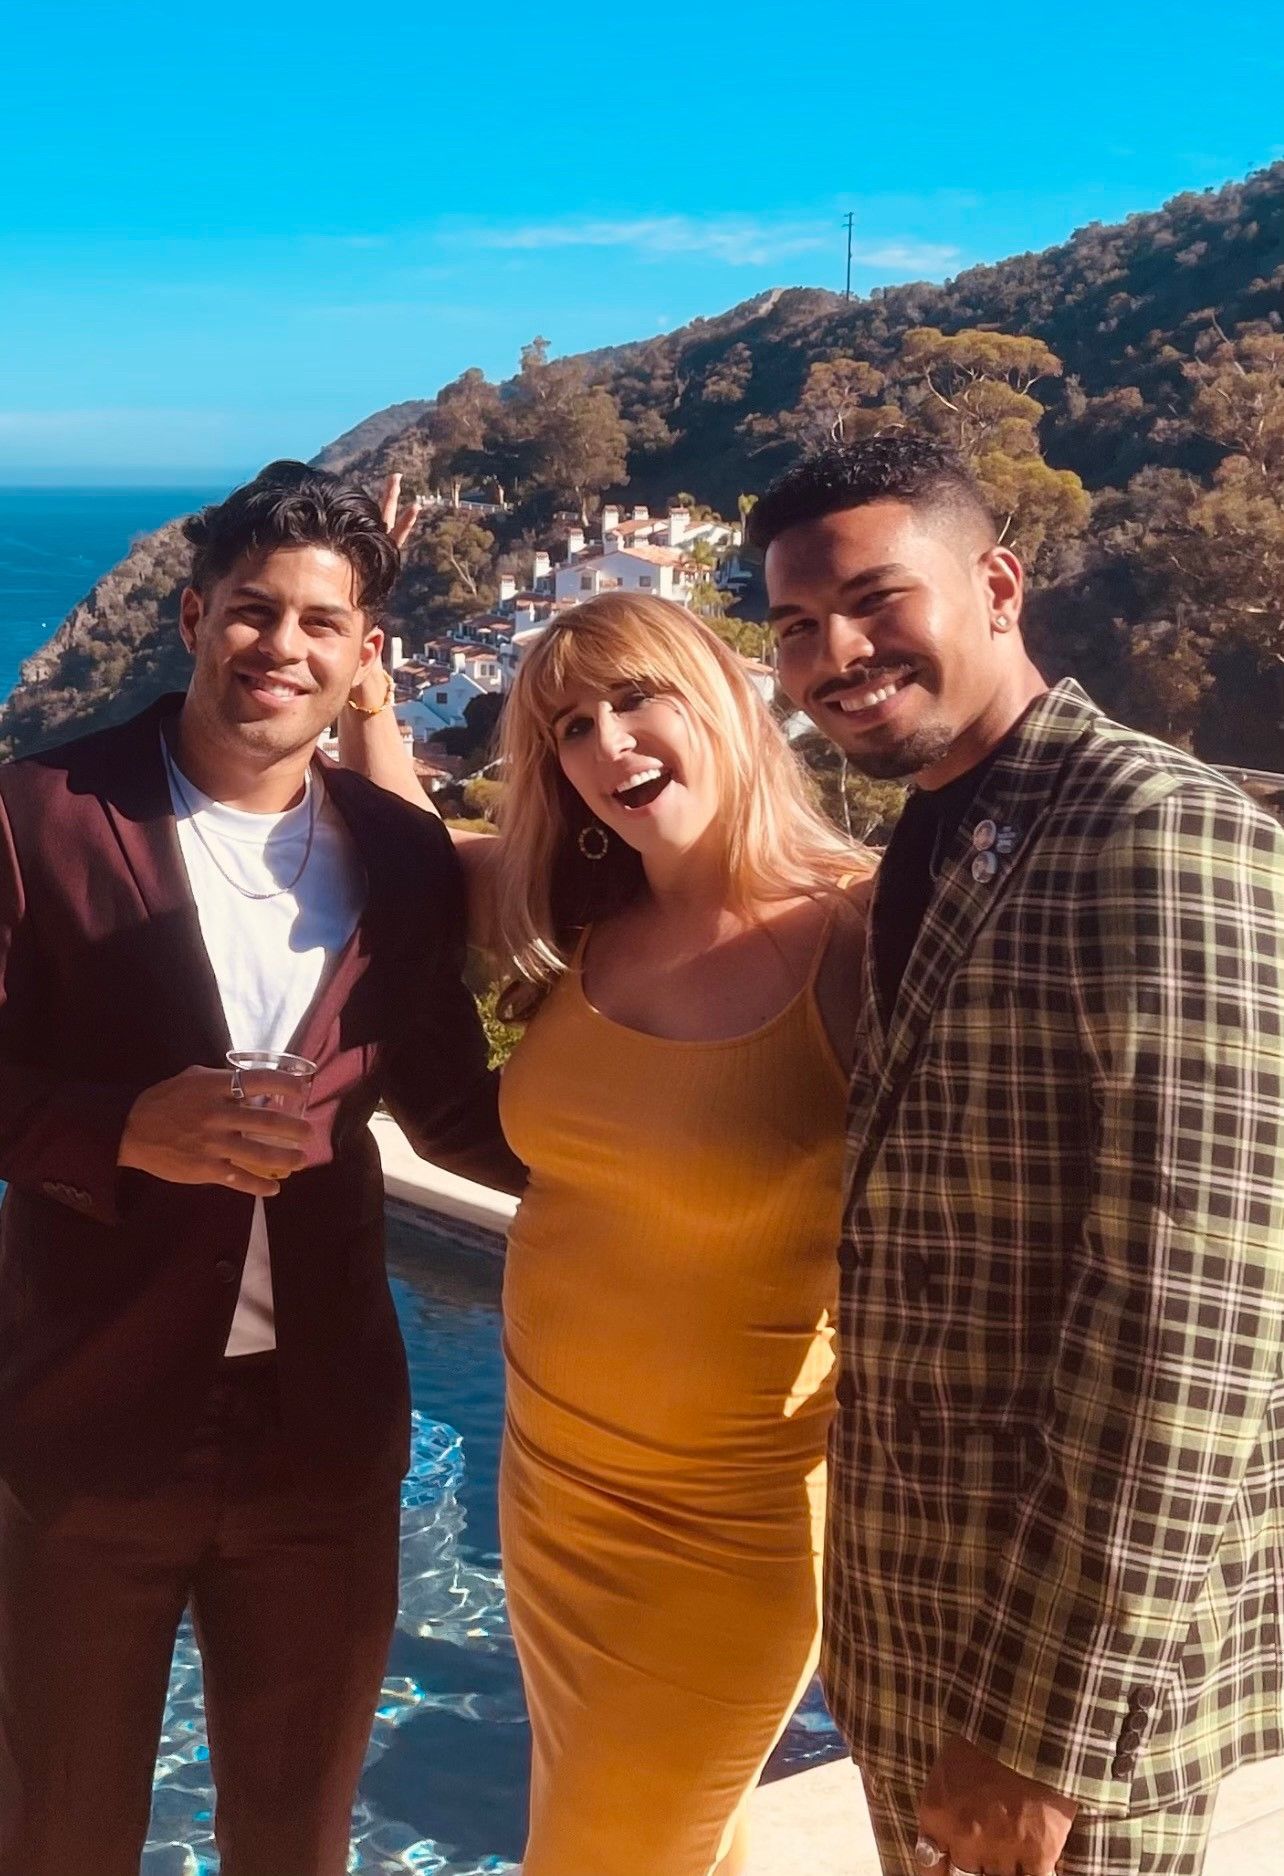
503	1037
482	796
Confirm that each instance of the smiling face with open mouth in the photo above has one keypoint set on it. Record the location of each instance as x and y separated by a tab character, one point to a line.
889	625
278	644
640	763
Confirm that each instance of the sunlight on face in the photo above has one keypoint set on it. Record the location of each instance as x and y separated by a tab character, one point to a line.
882	620
641	763
278	644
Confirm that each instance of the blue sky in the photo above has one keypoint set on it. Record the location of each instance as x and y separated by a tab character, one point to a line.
230	232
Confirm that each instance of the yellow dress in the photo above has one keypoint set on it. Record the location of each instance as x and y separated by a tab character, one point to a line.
667	1300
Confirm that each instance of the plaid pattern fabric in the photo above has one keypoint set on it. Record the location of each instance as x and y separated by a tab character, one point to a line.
1057	1468
1164	1843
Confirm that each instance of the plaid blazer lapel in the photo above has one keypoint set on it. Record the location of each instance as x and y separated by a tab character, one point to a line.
1016	795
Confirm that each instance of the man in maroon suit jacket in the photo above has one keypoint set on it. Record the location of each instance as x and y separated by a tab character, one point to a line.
143	1468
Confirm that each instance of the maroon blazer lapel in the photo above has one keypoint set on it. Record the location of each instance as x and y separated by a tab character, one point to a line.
347	969
136	800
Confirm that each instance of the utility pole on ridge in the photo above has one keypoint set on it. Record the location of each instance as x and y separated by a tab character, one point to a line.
849	218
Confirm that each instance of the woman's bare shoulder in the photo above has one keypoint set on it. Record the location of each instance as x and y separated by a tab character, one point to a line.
841	975
481	856
478	853
859	892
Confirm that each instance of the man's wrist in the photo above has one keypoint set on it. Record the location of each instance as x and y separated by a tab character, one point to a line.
377	684
983	1814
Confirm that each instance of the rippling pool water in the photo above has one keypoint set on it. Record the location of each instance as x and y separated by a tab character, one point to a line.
445	1783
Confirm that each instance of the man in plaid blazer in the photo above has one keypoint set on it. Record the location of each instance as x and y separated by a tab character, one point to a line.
1055	1586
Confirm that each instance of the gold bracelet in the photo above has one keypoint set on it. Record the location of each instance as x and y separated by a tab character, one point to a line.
373	710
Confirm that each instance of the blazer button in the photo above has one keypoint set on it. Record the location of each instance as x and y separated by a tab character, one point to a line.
845	1392
1143	1699
1129	1740
1123	1765
226	1271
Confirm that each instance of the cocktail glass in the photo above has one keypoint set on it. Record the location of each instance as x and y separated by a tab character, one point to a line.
289	1091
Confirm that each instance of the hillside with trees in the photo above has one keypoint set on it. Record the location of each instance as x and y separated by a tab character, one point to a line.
1121	397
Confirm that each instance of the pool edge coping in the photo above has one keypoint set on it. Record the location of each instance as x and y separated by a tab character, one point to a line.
415	1182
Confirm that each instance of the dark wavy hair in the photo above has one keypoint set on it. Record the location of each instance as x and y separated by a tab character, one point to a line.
290	504
900	465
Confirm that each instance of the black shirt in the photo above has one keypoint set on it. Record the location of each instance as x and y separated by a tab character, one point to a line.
908	874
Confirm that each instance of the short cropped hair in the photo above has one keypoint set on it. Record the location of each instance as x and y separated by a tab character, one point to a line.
900	465
290	504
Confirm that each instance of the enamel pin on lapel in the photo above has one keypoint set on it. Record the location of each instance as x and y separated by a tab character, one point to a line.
988	842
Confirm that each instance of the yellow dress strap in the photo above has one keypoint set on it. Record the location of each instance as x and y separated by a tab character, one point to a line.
819	954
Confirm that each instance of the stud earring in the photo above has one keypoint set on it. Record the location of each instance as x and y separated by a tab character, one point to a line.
593	841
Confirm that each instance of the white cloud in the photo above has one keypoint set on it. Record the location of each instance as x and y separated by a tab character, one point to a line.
905	256
739	241
735	240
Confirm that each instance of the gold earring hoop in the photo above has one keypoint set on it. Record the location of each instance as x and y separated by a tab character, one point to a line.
593	841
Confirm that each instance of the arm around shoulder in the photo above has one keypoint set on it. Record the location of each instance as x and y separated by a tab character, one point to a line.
436	1080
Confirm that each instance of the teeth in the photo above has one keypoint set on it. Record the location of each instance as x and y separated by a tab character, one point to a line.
639	781
866	699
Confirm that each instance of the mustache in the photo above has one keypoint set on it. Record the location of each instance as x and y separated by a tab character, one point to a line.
285	672
859	679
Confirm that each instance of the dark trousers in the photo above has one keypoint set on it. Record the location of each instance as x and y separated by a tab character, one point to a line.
293	1597
1165	1843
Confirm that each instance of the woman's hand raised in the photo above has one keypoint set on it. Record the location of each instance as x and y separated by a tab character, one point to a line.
369	692
398	519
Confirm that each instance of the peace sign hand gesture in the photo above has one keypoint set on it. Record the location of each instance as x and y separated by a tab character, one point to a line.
399	521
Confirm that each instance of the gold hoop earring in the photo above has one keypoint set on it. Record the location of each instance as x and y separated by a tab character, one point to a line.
593	842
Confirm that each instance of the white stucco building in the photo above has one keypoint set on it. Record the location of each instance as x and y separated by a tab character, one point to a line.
421	720
663	571
665	555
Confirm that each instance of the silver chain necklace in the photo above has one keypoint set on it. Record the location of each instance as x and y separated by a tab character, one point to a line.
235	884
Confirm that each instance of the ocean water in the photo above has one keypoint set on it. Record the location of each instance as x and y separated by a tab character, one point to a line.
55	542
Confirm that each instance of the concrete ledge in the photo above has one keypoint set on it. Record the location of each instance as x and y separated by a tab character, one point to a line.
814	1823
413	1181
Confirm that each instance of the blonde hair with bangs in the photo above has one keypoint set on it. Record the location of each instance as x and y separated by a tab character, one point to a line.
778	843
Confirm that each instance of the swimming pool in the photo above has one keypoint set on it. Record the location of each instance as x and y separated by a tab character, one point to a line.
444	1789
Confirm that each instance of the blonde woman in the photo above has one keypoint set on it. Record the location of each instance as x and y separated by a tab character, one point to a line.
683	930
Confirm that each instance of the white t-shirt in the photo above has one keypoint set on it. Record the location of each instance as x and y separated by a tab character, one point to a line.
268	955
